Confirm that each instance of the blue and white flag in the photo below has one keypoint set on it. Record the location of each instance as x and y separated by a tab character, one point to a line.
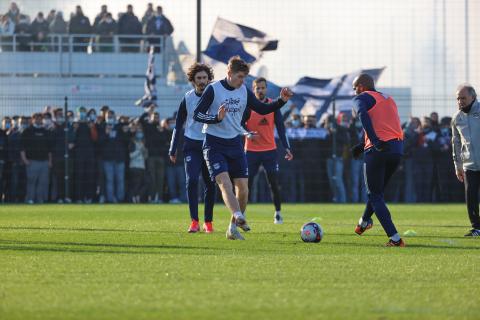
315	96
150	88
229	39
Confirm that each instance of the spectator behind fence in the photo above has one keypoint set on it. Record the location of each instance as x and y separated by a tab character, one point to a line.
58	24
423	159
113	141
7	29
103	13
335	160
13	12
128	24
138	155
357	181
106	29
6	125
85	136
51	16
80	24
175	171
156	139
39	30
37	157
149	13
22	31
158	25
58	155
16	168
100	178
411	133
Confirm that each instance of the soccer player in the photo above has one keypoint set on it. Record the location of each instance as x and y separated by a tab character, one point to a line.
221	108
260	145
383	149
200	75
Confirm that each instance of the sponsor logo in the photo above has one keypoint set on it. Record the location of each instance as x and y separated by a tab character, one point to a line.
216	166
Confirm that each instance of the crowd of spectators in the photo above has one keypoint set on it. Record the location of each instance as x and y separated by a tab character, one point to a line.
114	158
110	159
33	35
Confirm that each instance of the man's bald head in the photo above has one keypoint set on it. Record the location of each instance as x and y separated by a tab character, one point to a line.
364	82
466	95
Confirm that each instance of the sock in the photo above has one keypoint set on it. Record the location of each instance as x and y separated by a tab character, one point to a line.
278	213
395	237
237	214
232	227
362	223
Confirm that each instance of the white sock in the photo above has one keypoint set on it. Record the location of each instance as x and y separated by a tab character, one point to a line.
278	213
363	223
232	226
237	214
395	237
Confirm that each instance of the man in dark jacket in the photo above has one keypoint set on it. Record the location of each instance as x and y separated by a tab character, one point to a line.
80	24
85	135
106	29
16	168
37	157
22	31
128	24
58	155
39	30
159	25
114	141
157	142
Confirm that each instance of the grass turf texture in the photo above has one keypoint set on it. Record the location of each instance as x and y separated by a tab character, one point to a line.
138	262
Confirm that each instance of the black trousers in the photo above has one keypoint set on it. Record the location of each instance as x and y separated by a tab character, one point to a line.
472	186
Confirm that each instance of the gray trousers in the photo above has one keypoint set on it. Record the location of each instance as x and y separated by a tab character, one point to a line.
37	181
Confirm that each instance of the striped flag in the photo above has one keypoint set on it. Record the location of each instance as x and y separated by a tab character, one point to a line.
150	95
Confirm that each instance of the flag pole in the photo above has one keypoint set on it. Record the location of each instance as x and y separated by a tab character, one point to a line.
199	30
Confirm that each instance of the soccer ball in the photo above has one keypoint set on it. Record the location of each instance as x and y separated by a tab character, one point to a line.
311	232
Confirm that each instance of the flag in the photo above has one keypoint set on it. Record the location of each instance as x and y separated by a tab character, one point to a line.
150	95
229	39
315	96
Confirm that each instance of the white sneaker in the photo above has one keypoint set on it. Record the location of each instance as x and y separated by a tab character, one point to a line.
234	234
277	218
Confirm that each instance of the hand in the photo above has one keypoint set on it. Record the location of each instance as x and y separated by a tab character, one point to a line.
108	129
26	162
289	155
357	150
221	112
460	174
71	146
252	135
382	146
286	94
173	158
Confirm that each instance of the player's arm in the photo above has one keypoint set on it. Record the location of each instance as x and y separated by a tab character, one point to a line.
266	108
246	117
456	152
203	105
360	108
179	122
282	134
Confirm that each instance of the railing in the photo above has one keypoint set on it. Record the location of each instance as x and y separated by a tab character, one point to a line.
89	43
84	55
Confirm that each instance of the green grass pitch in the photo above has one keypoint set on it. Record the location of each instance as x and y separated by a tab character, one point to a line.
138	262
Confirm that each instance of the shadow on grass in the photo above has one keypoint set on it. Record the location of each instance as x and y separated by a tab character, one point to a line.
381	245
83	229
27	246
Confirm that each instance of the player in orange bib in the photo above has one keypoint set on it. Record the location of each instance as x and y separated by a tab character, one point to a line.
260	146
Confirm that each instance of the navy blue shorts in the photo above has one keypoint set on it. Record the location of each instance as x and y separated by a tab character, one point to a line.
266	158
225	155
194	162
